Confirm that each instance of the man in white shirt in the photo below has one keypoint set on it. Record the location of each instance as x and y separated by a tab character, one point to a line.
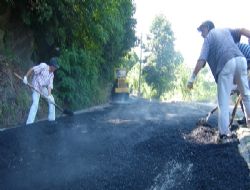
43	84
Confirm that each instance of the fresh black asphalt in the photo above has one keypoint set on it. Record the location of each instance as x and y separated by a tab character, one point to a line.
137	146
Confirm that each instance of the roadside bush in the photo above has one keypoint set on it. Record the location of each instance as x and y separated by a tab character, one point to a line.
78	79
204	89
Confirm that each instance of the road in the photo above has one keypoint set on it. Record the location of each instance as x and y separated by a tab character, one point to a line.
137	146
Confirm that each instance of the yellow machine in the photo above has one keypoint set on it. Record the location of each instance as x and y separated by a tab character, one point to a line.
120	89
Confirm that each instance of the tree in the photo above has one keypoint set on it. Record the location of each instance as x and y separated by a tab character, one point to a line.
204	86
159	72
93	37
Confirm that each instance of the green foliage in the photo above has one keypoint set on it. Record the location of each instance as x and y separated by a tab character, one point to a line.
78	78
13	110
162	43
204	87
93	36
128	61
133	80
159	72
106	27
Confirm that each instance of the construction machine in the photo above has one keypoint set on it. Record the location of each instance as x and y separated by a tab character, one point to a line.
120	90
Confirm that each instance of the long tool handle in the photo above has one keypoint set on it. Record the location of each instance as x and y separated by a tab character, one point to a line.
234	110
210	113
58	107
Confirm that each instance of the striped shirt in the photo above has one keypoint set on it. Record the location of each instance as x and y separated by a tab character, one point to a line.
245	49
42	77
219	47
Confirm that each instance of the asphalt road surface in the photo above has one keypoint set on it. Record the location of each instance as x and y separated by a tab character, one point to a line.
137	146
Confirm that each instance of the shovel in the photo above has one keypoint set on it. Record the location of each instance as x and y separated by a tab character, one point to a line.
64	111
203	121
234	110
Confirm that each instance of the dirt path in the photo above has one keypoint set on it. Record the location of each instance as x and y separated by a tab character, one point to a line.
142	145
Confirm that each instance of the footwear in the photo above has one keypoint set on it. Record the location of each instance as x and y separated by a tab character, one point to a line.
227	138
242	121
234	127
232	135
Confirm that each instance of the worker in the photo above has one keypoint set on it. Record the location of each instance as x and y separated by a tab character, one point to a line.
43	84
245	49
228	65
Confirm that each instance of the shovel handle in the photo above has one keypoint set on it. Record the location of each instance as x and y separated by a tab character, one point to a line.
18	76
68	112
234	110
32	87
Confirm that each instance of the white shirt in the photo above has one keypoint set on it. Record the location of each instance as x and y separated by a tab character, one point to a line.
42	77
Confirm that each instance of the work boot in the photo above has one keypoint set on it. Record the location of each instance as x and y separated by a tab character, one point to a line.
242	121
231	138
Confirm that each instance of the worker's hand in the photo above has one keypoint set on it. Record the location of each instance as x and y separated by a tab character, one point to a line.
25	80
191	81
235	91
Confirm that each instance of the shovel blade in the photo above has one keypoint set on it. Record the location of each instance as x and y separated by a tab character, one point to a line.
68	112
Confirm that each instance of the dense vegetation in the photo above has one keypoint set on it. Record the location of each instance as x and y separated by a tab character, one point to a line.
164	73
93	36
163	59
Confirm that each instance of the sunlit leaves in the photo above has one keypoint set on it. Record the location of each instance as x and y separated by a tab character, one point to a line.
159	72
93	35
